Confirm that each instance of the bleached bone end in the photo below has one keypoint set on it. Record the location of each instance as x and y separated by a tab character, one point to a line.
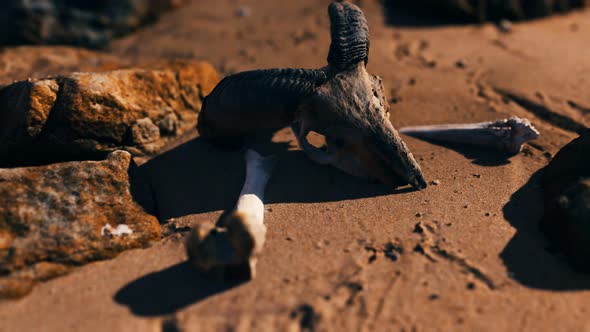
519	132
507	134
231	249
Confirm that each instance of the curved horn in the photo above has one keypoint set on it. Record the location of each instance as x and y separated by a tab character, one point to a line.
350	36
251	101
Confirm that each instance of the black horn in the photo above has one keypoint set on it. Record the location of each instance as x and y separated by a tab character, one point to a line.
247	102
350	36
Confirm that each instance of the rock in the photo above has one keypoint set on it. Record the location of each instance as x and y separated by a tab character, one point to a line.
76	22
63	215
144	131
86	115
566	188
482	10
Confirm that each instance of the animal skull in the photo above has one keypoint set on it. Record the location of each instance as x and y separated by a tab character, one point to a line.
340	101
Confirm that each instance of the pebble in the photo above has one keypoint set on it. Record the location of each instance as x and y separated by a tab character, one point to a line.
505	26
243	11
435	182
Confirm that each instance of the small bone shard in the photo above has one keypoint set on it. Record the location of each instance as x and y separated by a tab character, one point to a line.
506	135
121	229
231	248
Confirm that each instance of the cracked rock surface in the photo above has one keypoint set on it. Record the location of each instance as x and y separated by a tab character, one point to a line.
83	114
52	218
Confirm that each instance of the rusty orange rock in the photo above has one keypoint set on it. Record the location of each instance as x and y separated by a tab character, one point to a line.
62	215
85	115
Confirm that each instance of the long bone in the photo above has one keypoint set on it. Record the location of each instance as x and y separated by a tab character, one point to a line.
237	240
506	135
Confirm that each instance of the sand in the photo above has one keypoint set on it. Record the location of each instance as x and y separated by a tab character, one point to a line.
341	253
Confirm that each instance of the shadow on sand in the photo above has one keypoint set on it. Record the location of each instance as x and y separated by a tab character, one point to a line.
528	256
481	156
164	292
197	177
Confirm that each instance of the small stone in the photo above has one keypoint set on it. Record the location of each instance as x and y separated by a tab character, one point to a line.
243	11
434	297
428	60
487	214
435	182
168	124
462	64
419	215
477	176
144	131
505	26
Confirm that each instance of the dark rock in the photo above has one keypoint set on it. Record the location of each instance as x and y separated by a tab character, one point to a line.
482	10
63	215
566	187
76	22
86	115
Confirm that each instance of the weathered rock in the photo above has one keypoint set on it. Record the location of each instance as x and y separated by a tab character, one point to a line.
76	22
62	215
85	115
566	185
481	10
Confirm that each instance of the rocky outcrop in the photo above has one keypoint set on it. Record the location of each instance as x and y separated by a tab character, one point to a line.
566	185
76	22
86	115
58	216
481	10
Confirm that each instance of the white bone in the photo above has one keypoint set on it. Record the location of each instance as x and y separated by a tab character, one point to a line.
121	229
241	234
507	134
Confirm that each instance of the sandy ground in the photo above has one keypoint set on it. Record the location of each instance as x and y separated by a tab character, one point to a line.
343	254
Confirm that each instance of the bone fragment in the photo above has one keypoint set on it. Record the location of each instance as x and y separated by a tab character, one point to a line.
233	245
506	135
121	229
